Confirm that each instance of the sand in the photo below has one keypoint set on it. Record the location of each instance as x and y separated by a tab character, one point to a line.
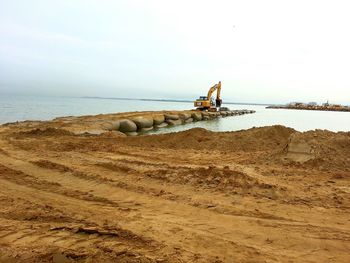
266	194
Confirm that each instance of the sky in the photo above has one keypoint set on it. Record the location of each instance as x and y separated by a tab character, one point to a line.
262	51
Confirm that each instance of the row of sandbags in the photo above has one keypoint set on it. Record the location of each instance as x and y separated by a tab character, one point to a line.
145	123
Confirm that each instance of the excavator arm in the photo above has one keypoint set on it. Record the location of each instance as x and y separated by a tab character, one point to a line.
212	90
217	88
218	95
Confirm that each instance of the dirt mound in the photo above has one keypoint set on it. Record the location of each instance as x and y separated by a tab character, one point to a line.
46	132
255	139
319	149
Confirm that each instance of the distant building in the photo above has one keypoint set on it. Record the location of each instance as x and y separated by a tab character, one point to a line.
312	104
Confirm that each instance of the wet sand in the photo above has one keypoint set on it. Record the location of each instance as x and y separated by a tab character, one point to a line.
72	193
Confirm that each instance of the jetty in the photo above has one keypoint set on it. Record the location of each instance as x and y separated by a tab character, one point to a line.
134	123
311	106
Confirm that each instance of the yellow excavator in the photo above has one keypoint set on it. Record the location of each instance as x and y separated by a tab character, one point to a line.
207	103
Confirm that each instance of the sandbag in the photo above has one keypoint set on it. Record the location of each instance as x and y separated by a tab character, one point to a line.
174	122
184	116
196	116
127	126
143	122
146	129
131	133
189	120
204	113
158	119
212	115
162	125
110	125
205	118
223	113
171	116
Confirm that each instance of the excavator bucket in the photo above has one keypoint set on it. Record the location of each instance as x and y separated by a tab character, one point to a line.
218	103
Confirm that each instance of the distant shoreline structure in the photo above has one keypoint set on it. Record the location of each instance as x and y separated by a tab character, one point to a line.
311	106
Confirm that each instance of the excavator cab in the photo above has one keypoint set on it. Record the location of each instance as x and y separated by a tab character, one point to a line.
211	102
207	102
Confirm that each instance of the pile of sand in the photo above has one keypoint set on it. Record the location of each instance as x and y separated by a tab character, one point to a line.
255	139
45	132
319	149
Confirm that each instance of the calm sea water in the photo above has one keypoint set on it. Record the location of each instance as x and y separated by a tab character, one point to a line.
19	108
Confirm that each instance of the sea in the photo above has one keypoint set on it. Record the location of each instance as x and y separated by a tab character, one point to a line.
20	108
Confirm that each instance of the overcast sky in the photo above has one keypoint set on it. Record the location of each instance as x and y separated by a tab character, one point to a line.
262	51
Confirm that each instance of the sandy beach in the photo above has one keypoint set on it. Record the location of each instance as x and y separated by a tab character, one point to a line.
71	193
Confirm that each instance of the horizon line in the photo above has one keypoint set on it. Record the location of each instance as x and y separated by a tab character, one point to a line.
172	100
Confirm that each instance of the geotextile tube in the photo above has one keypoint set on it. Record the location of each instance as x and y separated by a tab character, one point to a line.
146	129
174	122
131	133
184	116
143	122
162	125
205	116
171	117
196	116
127	126
212	115
111	125
158	119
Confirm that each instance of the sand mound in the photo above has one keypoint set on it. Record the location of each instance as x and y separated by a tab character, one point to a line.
319	149
46	132
256	139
